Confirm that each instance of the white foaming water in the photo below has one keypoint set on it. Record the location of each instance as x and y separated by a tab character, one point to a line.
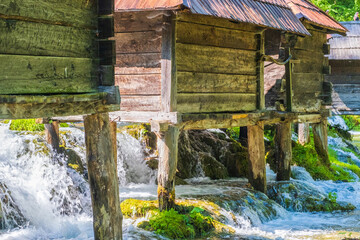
52	201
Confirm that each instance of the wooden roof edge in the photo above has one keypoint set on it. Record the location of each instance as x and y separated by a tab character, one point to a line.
330	29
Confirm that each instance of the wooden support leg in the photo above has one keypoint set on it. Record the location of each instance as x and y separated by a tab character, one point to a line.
102	178
52	135
304	133
321	141
257	164
283	151
168	150
113	131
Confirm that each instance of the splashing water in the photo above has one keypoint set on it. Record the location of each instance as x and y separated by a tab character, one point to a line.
42	198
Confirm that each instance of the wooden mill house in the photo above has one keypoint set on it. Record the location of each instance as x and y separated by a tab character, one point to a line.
197	65
344	60
55	60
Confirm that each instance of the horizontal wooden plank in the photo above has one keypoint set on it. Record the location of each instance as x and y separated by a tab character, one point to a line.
214	21
30	38
307	83
145	117
205	59
138	42
306	102
316	56
139	21
199	34
315	41
190	82
207	103
306	66
346	70
81	13
140	103
138	60
41	75
347	89
136	70
343	79
139	84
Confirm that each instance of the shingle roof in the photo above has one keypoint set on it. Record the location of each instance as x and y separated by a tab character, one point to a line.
304	9
346	47
267	13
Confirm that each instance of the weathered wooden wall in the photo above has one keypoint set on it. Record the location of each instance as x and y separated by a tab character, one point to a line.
308	75
345	77
48	47
216	65
138	38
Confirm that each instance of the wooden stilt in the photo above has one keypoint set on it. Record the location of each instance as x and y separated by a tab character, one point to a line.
257	164
113	131
52	135
321	141
102	178
168	150
304	133
283	151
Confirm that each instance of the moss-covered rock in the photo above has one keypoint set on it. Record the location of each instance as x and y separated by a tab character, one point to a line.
26	125
74	161
211	167
304	197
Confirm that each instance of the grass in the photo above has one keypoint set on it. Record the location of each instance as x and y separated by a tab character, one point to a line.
26	125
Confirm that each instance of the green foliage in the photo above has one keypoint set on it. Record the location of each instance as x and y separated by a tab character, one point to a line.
233	133
353	122
332	196
26	125
341	10
64	125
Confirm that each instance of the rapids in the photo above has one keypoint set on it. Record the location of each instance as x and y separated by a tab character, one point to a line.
42	198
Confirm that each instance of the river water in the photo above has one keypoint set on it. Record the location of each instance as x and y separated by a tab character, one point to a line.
44	199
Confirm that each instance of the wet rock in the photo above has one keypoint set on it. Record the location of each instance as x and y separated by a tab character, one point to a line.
152	162
74	161
298	196
180	181
198	148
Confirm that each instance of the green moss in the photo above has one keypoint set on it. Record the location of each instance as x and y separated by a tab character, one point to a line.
64	125
138	208
26	125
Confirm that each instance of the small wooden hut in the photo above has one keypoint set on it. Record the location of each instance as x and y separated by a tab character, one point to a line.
55	60
344	60
196	64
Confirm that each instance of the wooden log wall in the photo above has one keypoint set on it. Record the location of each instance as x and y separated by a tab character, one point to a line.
48	48
138	38
308	74
345	77
216	65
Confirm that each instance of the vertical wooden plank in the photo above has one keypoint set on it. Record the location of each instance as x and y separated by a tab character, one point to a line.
283	151
303	133
102	178
321	141
288	77
257	163
167	143
260	72
168	71
113	132
52	135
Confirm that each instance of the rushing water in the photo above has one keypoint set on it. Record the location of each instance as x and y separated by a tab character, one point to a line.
44	199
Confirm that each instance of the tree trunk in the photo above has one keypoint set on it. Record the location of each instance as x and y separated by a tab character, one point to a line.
102	178
304	133
52	135
321	141
257	163
168	150
283	151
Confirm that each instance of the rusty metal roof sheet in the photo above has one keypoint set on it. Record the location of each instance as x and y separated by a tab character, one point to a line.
304	9
267	13
346	47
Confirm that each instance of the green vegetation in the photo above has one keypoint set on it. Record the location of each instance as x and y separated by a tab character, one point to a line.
26	125
190	219
341	10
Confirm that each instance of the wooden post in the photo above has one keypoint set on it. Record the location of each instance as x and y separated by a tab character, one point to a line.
283	151
288	77
52	135
320	141
168	150
113	131
257	164
304	133
260	71
102	178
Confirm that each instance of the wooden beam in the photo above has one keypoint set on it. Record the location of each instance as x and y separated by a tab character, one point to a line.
168	151
113	133
52	135
288	77
321	141
283	151
260	72
257	163
303	133
102	178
